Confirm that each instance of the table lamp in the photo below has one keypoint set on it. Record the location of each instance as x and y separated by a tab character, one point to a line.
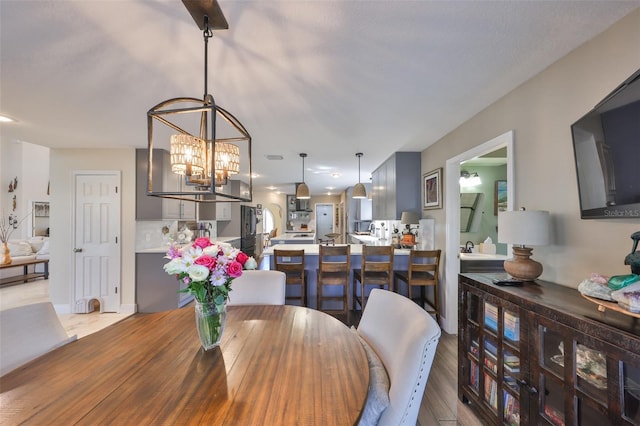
524	228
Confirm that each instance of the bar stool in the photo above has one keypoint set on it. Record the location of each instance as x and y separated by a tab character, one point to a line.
291	262
376	269
334	267
424	266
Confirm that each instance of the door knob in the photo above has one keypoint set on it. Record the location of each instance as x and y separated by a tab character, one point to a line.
77	250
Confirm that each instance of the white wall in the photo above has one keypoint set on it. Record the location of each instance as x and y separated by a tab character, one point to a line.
63	163
541	112
28	163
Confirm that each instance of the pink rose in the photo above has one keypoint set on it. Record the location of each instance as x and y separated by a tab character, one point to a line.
234	269
242	258
205	260
202	242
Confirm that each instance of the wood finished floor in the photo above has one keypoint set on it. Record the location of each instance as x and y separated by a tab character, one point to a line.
440	405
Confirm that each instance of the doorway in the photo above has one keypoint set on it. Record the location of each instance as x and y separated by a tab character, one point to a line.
452	258
96	254
324	220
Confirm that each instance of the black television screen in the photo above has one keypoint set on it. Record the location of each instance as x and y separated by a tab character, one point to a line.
606	145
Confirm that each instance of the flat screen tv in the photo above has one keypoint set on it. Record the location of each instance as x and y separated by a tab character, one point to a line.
606	146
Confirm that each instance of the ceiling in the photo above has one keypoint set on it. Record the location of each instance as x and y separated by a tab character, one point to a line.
328	78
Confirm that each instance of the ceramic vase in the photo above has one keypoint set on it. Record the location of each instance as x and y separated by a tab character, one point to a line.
210	322
5	254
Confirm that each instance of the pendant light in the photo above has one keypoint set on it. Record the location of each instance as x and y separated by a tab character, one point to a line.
359	190
302	191
197	150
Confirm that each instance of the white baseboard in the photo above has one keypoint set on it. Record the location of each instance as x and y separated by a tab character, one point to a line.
129	308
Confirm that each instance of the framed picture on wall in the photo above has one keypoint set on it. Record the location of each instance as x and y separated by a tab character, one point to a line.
500	197
432	189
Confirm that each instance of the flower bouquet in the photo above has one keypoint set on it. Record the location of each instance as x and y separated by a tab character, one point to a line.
207	270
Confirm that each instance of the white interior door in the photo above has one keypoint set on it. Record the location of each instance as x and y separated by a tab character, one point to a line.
97	240
324	220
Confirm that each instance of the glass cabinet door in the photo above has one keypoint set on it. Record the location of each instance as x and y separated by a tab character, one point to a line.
548	373
630	392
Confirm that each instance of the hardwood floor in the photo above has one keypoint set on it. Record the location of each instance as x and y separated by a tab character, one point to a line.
440	405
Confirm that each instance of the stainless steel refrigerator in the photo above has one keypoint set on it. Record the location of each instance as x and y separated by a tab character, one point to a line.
248	230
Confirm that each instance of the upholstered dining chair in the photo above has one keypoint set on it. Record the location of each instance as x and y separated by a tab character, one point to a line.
291	262
258	287
376	269
402	337
334	269
28	331
423	271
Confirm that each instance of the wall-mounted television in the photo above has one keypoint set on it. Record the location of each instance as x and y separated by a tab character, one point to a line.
606	146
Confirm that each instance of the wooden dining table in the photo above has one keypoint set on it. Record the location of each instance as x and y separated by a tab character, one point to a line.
276	365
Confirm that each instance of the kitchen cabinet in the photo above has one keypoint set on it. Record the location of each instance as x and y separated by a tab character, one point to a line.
155	208
175	209
541	354
396	186
223	210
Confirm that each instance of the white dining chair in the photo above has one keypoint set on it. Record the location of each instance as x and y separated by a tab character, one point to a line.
404	337
28	331
258	287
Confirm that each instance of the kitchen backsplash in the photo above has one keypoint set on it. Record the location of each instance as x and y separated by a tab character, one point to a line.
160	233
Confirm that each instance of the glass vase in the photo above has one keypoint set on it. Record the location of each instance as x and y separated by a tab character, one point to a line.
210	321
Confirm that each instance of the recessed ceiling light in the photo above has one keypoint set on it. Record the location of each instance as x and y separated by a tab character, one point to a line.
254	175
335	175
274	157
331	188
5	119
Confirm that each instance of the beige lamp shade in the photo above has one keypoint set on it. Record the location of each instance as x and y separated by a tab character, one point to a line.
302	192
522	228
409	218
359	191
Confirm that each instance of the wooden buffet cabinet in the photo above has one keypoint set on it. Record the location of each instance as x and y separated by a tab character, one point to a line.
541	354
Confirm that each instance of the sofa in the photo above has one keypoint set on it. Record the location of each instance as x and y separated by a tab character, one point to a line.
27	249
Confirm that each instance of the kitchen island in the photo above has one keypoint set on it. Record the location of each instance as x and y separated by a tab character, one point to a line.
294	238
155	289
311	251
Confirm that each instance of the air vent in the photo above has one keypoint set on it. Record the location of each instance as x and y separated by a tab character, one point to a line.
274	157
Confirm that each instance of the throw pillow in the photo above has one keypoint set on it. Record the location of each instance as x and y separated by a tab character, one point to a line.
36	243
19	248
44	249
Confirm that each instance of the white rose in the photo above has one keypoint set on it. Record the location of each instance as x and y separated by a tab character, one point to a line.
211	250
198	272
250	263
174	266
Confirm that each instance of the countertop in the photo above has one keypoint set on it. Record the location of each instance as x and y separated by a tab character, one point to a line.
165	248
295	236
313	249
482	256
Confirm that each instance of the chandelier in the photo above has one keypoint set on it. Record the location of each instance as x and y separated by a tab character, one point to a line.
198	151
